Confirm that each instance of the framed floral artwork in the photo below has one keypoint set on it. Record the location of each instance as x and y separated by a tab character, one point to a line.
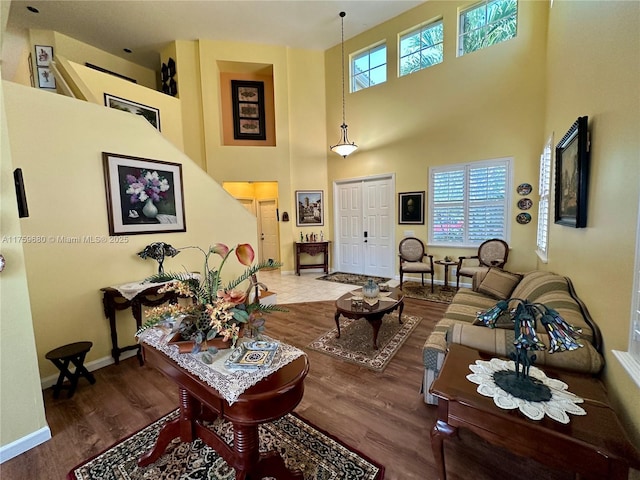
143	195
310	208
248	110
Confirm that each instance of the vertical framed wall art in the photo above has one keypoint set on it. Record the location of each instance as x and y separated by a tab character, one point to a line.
572	175
411	208
44	56
248	110
310	208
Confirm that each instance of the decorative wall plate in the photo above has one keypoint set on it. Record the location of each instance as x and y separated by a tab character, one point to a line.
524	189
523	218
525	204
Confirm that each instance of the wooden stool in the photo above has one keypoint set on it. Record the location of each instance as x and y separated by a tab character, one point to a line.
61	357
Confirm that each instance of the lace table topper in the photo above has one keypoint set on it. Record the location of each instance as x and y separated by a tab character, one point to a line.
382	296
562	401
131	290
229	383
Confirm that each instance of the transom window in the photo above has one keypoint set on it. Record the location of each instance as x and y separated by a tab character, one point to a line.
421	47
487	23
369	68
469	203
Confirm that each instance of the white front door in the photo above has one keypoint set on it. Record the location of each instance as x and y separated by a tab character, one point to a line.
364	226
269	247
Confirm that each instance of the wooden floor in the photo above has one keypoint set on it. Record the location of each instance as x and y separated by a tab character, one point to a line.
380	414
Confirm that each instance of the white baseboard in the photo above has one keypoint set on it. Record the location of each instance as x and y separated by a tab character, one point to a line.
51	380
17	447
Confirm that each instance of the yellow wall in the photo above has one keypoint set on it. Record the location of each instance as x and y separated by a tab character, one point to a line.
100	83
20	391
82	53
483	105
65	189
594	70
299	156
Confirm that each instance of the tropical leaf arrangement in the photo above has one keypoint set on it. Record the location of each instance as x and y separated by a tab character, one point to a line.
216	310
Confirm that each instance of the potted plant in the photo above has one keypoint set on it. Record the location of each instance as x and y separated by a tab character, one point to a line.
217	315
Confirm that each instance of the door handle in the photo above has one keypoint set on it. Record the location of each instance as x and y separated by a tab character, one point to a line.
366	234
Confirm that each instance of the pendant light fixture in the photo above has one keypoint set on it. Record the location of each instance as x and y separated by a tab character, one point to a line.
343	147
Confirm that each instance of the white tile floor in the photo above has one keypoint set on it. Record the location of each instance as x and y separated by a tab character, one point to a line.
305	287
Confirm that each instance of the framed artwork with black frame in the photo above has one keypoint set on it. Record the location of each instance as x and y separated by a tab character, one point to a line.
143	195
309	208
411	208
248	110
572	175
150	114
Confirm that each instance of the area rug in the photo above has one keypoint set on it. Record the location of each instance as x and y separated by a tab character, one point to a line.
355	344
416	290
352	278
302	445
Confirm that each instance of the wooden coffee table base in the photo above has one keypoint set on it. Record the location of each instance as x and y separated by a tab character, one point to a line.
593	446
373	315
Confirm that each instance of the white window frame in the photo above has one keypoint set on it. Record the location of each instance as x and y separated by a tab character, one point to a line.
630	359
462	33
419	29
366	52
544	201
508	163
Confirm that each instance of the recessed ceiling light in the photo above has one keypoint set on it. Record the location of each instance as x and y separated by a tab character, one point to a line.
33	9
128	50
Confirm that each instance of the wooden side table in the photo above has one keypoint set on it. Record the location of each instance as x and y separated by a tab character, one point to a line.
112	301
62	357
312	249
593	446
446	266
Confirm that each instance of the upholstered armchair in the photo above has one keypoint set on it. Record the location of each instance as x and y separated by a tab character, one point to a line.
412	255
491	253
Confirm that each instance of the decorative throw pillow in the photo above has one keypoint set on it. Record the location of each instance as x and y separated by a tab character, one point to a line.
499	283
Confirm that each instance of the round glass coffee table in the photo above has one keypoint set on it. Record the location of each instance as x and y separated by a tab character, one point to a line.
387	303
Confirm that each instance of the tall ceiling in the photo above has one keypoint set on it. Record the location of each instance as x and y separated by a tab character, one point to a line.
146	26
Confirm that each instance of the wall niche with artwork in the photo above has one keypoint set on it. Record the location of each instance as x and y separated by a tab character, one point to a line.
247	103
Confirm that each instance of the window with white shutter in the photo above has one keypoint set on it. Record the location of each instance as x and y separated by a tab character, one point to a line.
544	190
630	360
469	203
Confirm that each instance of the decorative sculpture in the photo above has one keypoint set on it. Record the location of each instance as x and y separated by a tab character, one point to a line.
157	251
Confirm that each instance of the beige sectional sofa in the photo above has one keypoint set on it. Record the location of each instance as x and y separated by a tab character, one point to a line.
554	291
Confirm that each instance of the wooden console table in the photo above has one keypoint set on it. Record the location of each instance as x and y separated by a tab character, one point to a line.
593	446
112	301
312	249
269	399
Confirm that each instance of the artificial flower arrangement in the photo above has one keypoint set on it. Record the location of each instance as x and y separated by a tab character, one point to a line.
215	311
148	185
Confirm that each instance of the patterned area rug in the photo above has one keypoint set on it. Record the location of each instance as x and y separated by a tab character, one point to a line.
351	278
303	447
416	290
355	344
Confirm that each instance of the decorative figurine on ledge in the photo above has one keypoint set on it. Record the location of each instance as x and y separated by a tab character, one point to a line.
157	251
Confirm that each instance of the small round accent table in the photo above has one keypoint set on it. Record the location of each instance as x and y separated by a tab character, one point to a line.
446	266
62	357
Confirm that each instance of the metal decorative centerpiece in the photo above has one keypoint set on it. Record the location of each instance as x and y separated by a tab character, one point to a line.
157	251
526	315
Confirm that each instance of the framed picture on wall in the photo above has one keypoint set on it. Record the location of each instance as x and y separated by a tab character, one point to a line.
411	208
310	208
44	55
143	195
46	78
248	110
150	114
572	175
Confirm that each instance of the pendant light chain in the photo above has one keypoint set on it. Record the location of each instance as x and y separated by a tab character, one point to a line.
342	15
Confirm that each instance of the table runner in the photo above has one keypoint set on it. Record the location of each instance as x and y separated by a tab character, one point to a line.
228	383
